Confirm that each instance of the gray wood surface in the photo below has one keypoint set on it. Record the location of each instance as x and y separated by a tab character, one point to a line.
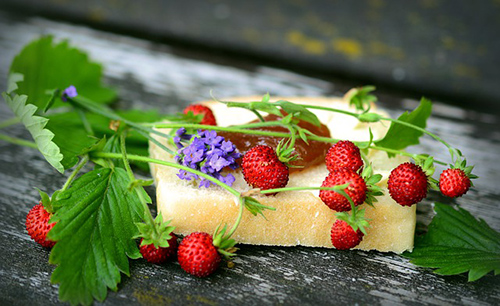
445	46
150	75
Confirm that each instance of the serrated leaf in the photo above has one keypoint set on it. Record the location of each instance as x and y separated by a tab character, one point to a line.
456	242
70	136
35	125
401	136
12	81
47	65
94	230
72	139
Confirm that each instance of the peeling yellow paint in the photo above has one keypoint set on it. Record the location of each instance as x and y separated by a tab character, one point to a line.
349	47
308	45
151	297
295	37
466	71
381	49
315	46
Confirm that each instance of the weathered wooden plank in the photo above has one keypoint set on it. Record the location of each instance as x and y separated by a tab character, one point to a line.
151	75
428	46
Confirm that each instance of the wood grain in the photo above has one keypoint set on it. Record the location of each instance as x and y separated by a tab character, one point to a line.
150	75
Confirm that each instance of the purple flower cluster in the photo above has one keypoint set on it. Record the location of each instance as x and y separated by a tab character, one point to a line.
69	92
206	152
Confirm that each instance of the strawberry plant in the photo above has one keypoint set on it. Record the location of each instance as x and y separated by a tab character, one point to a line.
101	219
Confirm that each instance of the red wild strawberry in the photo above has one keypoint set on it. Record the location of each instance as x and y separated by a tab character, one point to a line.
197	255
159	255
208	115
37	225
344	237
407	184
262	168
344	154
454	182
356	189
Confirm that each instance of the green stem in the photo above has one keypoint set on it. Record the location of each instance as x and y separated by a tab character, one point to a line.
77	169
238	220
414	156
386	119
418	129
86	123
170	164
220	128
18	141
9	122
258	115
239	130
275	190
331	110
175	165
108	113
123	149
138	191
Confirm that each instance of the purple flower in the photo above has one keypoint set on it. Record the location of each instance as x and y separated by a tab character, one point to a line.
206	152
69	92
181	135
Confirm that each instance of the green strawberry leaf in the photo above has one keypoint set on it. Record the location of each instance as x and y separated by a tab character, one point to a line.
400	136
43	137
96	220
73	140
456	242
47	65
70	137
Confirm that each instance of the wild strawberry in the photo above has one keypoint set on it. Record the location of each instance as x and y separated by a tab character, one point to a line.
197	255
454	182
262	168
159	255
344	237
407	184
344	154
208	115
356	189
37	225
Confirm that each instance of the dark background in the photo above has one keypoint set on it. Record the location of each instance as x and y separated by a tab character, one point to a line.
447	49
167	54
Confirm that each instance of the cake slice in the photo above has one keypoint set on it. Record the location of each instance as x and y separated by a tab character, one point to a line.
300	218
